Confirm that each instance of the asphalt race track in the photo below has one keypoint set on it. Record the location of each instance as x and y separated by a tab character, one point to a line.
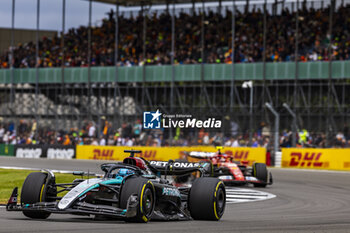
306	201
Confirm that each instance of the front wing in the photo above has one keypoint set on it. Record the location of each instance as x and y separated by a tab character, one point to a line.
78	208
230	180
83	208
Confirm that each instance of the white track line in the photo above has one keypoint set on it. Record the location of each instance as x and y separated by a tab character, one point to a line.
241	195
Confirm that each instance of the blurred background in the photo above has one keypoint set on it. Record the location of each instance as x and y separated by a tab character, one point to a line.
276	72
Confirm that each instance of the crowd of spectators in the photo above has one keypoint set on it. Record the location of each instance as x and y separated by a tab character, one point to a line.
314	40
133	134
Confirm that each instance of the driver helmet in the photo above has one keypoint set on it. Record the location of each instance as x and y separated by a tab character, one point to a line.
125	172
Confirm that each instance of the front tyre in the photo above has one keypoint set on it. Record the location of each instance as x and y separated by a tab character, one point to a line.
207	199
32	192
145	192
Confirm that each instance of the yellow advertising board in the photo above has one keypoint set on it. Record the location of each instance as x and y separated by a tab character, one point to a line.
328	159
165	153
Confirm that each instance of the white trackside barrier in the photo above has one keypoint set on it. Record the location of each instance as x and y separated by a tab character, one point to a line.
278	159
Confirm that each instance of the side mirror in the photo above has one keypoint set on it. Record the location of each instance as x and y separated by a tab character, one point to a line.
78	173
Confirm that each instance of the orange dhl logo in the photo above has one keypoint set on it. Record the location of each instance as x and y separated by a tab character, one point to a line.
107	154
306	160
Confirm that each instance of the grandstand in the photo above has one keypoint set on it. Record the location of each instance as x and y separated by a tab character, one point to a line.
185	61
21	36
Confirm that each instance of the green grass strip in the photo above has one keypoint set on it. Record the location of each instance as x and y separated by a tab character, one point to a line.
11	178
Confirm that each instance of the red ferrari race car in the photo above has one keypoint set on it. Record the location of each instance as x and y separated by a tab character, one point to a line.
233	172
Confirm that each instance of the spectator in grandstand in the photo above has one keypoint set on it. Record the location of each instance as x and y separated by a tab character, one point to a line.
340	140
67	140
34	127
228	142
254	143
137	128
206	139
102	141
107	129
2	132
91	129
94	142
248	40
23	127
265	130
235	142
286	139
303	137
126	130
46	135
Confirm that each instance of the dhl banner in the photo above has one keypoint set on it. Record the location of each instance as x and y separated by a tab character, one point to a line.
165	153
329	159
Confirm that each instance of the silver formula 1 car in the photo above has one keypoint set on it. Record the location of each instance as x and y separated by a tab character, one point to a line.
134	190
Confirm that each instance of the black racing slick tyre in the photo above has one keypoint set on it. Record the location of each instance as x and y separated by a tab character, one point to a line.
145	192
32	192
260	172
207	199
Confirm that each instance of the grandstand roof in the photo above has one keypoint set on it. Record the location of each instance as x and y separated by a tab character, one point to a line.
149	2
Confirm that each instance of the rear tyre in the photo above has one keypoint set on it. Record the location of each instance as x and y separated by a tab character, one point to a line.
145	192
207	199
260	172
32	192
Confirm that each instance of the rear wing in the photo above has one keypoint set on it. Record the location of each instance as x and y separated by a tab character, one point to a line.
178	167
201	154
